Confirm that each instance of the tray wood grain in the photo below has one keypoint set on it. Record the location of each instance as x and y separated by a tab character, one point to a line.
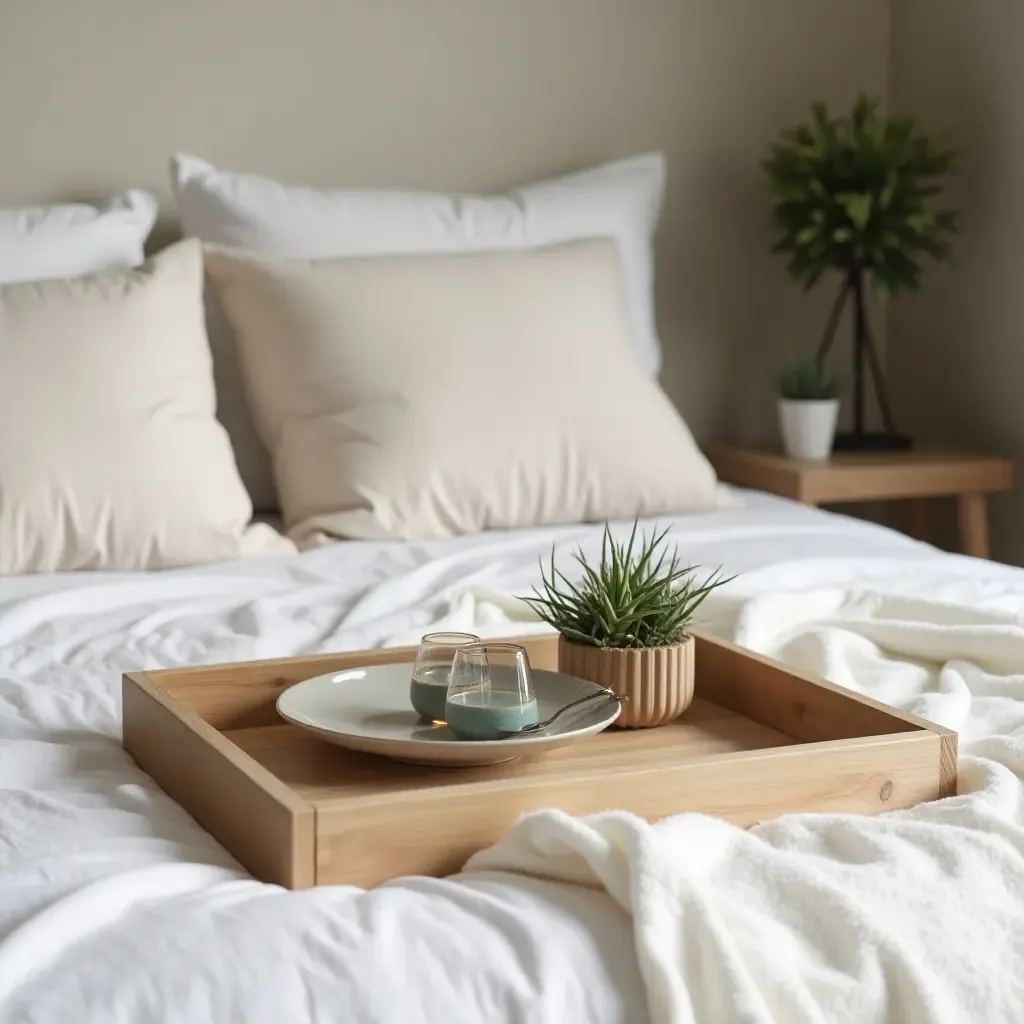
758	741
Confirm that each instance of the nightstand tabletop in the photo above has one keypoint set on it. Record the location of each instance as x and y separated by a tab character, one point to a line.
863	476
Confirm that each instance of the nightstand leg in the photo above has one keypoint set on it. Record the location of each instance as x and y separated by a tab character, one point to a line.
919	519
972	515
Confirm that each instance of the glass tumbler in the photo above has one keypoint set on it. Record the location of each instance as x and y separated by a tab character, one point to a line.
490	693
429	687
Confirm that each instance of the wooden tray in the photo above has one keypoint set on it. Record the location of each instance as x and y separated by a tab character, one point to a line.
760	740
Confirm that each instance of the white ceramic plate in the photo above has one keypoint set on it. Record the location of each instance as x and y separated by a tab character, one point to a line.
368	709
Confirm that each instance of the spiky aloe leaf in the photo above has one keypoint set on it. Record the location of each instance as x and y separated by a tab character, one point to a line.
640	594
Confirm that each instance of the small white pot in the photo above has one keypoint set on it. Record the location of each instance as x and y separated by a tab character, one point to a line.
808	428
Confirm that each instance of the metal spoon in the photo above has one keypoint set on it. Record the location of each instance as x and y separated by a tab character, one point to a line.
527	729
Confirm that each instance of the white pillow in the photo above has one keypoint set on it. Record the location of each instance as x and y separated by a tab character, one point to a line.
42	242
621	200
426	396
110	454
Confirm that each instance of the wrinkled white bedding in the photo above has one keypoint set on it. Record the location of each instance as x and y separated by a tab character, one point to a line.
913	916
115	906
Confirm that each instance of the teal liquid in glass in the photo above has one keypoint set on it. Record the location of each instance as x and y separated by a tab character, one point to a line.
486	715
428	692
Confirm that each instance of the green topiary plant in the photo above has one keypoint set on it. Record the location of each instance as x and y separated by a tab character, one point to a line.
637	597
807	380
857	194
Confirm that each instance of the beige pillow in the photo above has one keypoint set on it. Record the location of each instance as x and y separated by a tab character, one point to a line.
110	455
425	396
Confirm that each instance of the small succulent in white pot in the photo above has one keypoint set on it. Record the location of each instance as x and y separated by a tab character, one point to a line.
625	624
808	409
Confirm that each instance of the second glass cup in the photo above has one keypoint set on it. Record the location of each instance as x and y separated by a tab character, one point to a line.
491	692
429	688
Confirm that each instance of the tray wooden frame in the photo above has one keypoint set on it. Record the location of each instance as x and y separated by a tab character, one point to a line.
760	740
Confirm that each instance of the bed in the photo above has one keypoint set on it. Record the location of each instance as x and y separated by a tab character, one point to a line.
116	907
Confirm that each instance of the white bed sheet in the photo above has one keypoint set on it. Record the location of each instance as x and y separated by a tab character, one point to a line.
115	906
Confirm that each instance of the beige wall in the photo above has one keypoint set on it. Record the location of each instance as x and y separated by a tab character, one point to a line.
956	350
465	94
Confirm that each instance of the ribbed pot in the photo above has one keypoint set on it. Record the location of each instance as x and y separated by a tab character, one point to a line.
658	680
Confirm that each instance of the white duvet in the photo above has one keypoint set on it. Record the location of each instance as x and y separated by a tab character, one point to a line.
116	907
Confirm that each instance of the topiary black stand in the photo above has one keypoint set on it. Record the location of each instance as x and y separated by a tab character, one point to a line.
865	358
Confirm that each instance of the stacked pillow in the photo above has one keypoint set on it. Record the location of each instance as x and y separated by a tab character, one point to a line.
423	365
416	365
110	454
620	200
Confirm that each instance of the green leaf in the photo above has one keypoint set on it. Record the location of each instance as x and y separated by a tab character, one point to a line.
857	206
807	380
888	193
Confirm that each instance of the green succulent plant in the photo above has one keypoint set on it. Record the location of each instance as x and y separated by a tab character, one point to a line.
808	380
638	596
856	193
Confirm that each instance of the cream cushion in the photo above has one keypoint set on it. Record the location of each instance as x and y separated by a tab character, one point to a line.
110	454
426	396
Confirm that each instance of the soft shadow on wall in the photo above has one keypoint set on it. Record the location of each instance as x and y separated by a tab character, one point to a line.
956	349
737	314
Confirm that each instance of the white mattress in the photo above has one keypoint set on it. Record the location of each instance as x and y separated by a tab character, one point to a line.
115	906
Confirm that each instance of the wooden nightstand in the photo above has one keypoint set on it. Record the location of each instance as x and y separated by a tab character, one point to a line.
906	476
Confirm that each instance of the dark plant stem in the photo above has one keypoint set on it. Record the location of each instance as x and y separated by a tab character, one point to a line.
879	382
859	331
865	352
833	320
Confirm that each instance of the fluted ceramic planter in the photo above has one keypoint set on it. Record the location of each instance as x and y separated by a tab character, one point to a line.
657	680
